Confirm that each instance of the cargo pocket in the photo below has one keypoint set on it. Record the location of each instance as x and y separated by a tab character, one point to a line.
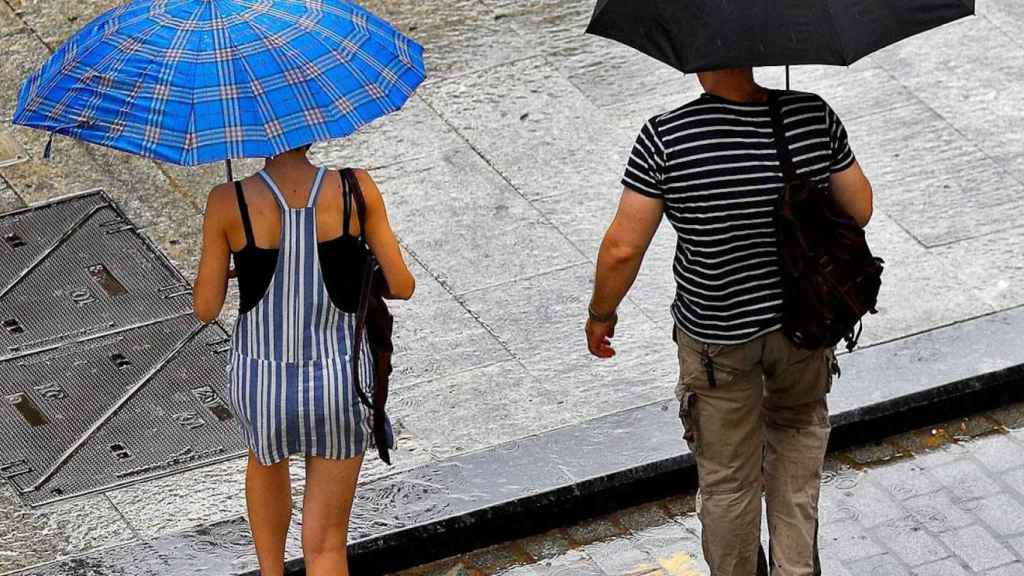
688	416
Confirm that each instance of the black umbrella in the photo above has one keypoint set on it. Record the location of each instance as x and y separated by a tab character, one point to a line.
696	35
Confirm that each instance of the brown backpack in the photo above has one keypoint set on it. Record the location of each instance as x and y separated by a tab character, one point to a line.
830	279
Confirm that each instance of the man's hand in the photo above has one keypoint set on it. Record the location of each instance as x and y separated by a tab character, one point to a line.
599	337
618	262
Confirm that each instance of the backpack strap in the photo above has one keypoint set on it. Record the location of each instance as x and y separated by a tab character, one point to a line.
781	146
243	208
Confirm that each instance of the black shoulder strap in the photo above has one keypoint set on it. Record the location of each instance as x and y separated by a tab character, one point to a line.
346	203
781	146
243	208
349	177
352	183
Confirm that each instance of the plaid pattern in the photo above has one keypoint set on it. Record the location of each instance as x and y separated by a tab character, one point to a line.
198	81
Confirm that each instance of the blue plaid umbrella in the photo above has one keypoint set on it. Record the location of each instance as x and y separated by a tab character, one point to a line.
197	81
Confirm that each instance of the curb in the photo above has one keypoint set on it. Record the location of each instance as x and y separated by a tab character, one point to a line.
970	366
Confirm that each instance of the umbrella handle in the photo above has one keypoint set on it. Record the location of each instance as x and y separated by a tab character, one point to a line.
48	149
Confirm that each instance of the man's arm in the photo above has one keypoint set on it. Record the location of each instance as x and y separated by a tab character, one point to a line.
618	263
852	192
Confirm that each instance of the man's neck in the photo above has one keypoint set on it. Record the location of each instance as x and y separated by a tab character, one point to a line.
751	93
736	85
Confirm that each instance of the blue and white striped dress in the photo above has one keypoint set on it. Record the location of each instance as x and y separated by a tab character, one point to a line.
291	383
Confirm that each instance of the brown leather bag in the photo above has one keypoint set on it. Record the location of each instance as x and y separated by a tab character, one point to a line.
373	318
830	278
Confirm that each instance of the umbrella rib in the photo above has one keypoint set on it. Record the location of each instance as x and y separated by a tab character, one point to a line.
164	77
94	41
265	35
192	154
390	76
265	111
291	55
116	62
225	69
335	97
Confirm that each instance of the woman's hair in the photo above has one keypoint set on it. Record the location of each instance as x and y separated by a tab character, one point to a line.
304	148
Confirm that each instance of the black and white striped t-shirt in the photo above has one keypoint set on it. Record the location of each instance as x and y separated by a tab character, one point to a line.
714	163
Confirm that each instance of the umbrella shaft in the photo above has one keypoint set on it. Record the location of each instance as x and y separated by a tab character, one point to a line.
227	170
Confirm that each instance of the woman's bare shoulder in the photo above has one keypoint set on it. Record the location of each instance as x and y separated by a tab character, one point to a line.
220	201
366	184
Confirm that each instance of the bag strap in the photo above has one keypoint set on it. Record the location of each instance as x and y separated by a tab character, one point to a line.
349	179
785	158
243	208
346	202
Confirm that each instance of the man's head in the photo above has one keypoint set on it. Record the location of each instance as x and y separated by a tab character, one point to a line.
732	77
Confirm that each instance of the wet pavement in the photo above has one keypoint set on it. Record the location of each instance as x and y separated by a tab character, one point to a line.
500	177
945	500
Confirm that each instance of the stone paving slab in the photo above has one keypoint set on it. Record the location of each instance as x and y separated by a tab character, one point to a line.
991	266
462	36
941	187
37	536
869	525
533	127
970	89
55	20
9	200
919	289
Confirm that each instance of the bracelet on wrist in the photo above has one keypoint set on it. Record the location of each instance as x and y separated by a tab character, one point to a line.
602	318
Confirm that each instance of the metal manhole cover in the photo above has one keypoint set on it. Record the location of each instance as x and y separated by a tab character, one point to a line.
77	267
11	152
106	378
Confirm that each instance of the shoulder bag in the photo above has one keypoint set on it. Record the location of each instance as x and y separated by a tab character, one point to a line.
830	278
375	320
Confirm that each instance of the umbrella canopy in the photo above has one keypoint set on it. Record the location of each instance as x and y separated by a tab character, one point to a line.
698	35
197	81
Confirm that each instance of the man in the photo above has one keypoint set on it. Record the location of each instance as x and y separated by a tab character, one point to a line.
752	404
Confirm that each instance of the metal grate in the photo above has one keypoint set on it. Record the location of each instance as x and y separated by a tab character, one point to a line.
106	377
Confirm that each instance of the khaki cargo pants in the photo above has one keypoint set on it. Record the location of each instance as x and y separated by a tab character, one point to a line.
756	419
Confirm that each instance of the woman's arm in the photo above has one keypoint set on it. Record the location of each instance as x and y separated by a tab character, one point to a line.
401	283
212	280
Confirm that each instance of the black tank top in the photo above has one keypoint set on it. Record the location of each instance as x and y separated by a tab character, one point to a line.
341	261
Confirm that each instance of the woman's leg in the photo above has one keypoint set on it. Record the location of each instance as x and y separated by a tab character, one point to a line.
326	507
268	497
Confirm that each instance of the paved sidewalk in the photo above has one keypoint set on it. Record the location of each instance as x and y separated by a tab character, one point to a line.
500	177
942	501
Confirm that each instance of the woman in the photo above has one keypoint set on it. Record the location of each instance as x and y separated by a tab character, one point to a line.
294	232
